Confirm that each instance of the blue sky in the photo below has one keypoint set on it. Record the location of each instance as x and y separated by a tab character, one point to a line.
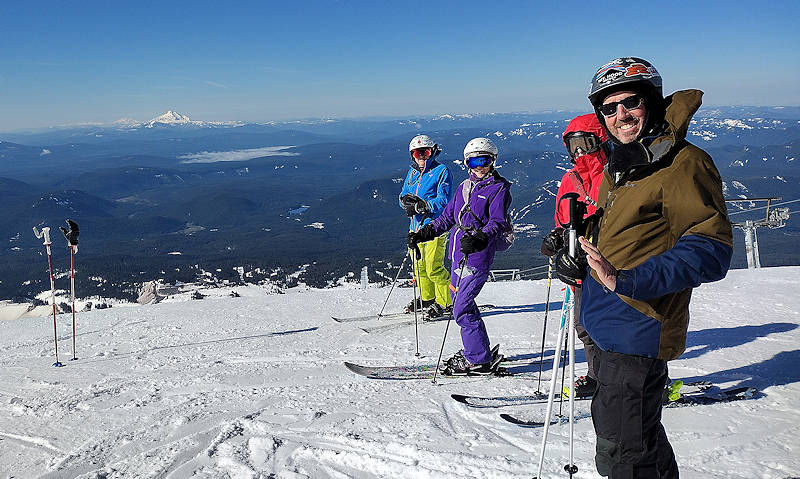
74	62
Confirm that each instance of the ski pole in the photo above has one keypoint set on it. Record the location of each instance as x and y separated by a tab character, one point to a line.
455	294
416	286
397	276
568	303
72	294
570	467
575	217
71	235
45	233
544	326
415	270
563	375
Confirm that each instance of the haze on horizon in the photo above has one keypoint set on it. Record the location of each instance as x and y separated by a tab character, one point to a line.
96	62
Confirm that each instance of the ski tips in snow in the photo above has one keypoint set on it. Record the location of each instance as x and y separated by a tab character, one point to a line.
499	401
524	422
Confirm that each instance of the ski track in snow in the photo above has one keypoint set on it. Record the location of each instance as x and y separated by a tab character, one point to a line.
255	387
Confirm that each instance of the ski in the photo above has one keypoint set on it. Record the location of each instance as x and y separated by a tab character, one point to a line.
422	371
523	422
500	401
410	321
533	423
697	398
371	317
400	324
397	315
708	397
541	398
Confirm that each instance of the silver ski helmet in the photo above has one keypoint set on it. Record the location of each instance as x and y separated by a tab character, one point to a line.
421	141
478	147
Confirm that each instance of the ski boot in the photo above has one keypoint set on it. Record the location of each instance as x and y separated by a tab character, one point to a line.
433	312
584	388
419	305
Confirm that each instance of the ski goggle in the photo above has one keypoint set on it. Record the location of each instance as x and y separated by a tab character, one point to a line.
479	161
631	103
581	140
421	153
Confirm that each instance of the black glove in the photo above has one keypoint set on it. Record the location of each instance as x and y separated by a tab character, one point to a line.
426	233
414	205
553	242
571	270
72	233
473	242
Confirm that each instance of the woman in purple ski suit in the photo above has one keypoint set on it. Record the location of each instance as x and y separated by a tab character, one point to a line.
478	220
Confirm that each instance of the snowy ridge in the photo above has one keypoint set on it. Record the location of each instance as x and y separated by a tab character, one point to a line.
172	118
254	386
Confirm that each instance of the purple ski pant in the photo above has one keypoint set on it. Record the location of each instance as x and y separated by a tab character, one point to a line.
468	317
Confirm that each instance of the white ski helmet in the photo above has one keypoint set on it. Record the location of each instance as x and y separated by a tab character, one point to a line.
480	145
421	141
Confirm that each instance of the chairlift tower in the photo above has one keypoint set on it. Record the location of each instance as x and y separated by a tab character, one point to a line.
776	218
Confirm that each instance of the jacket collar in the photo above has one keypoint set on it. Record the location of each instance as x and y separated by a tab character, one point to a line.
680	108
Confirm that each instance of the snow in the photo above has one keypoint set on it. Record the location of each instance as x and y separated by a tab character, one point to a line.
254	386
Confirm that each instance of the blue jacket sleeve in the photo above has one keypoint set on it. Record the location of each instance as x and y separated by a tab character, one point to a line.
444	192
694	260
405	190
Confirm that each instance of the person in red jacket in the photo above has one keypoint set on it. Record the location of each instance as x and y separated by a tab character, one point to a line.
583	139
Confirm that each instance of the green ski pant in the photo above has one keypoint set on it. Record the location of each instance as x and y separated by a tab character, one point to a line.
432	277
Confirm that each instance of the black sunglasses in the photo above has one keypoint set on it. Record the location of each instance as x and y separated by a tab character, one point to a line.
633	102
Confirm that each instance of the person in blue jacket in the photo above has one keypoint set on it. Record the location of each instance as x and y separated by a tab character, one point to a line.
427	189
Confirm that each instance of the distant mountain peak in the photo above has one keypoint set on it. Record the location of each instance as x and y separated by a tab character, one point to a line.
170	118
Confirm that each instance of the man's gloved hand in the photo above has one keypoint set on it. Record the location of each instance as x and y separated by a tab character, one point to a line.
571	270
474	242
426	233
553	242
414	205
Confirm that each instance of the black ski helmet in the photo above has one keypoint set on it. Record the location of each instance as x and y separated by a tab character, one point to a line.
630	73
620	71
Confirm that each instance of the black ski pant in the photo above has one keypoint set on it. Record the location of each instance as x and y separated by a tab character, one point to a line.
626	412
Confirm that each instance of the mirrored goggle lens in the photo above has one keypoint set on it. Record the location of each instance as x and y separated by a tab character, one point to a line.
630	103
479	161
420	153
586	142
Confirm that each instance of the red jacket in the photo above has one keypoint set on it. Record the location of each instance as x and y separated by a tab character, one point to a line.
584	178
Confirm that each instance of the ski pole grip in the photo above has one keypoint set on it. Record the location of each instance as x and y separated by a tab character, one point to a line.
45	233
574	210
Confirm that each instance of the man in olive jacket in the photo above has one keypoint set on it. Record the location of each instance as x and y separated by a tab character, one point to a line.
664	230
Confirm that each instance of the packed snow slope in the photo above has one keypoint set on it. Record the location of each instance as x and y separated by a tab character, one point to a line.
254	386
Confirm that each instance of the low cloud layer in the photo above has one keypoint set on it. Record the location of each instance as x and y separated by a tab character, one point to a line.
236	155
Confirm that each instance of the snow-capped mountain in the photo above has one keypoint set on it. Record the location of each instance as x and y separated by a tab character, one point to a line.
170	118
173	118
